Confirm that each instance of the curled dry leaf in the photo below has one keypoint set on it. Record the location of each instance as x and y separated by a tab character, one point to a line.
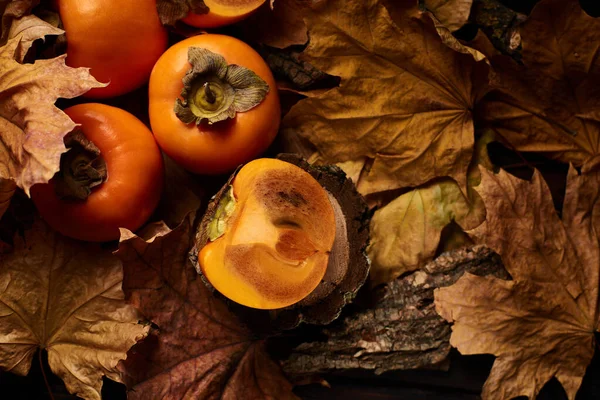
453	14
65	297
30	28
11	10
31	126
199	349
406	109
551	104
541	324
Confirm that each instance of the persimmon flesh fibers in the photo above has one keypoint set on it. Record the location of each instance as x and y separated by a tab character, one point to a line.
274	246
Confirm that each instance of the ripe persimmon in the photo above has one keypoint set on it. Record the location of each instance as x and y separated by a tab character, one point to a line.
119	40
270	236
222	13
131	191
213	103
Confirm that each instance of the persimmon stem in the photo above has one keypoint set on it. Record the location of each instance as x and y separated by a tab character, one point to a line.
210	95
44	375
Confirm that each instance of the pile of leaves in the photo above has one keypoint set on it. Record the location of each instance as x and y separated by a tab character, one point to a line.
412	117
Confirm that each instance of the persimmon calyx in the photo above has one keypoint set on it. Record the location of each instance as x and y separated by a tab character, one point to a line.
218	224
81	168
214	91
171	11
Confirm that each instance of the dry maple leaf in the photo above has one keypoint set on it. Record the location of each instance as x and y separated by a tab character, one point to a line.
404	100
541	324
452	13
200	350
31	126
551	104
65	296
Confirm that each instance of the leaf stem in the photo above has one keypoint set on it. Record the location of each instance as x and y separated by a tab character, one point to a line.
44	375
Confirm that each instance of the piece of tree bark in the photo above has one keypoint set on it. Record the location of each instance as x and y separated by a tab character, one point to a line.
500	24
402	330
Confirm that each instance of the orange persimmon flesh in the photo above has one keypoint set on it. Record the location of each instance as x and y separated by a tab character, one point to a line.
223	12
275	247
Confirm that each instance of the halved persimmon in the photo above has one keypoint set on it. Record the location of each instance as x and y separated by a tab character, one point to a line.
270	237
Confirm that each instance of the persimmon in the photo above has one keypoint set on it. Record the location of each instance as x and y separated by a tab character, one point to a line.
133	180
271	236
119	40
213	103
222	12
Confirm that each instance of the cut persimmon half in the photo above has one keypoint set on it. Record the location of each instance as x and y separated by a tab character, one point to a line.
270	237
222	12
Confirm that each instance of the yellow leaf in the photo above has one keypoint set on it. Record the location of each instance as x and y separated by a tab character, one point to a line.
65	296
405	233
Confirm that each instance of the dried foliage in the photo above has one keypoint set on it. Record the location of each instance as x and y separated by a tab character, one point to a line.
31	126
199	348
541	324
65	297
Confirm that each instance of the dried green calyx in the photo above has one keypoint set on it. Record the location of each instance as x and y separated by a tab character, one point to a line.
81	168
216	226
214	91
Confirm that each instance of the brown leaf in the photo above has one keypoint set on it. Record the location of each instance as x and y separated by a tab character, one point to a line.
182	194
199	350
551	104
279	25
31	126
453	14
30	28
65	297
11	10
405	108
541	324
7	189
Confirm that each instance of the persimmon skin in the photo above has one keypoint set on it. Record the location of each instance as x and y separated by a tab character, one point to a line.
119	40
220	16
222	146
134	185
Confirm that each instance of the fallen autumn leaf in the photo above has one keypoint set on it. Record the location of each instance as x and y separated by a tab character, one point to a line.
541	324
65	297
406	109
31	126
199	349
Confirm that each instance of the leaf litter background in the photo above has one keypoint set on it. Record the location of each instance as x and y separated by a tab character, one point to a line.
433	106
